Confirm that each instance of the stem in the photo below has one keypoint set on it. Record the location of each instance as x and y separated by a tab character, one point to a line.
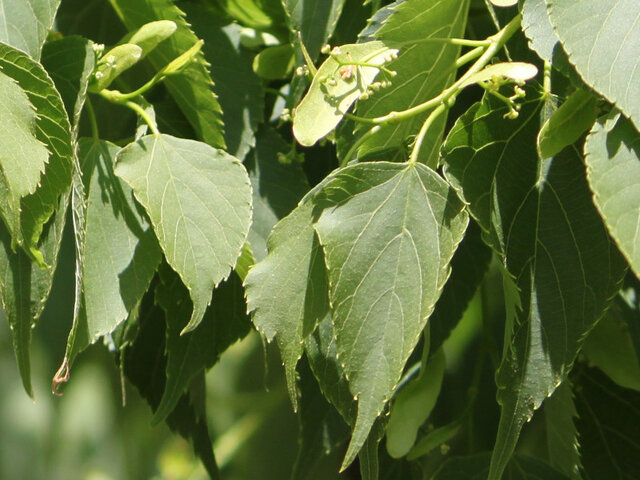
357	144
119	97
140	111
307	58
497	42
92	119
547	79
415	152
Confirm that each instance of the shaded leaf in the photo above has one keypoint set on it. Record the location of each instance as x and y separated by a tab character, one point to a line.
53	130
293	269
144	365
388	232
612	153
199	202
26	23
190	354
539	217
277	187
562	434
475	467
601	41
608	416
240	92
192	89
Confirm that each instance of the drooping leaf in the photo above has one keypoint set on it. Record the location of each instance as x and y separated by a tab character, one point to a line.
240	92
144	363
612	153
121	252
277	187
190	354
26	23
562	435
601	41
567	124
335	88
53	130
539	217
25	287
199	202
22	156
293	269
413	405
192	88
424	69
475	467
388	232
607	419
70	62
468	268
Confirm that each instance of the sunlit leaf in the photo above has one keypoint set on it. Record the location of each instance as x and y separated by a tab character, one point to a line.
26	23
199	202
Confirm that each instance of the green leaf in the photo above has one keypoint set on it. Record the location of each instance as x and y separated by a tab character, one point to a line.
321	350
610	347
70	62
54	131
538	29
199	202
539	217
601	41
25	287
562	435
612	153
293	268
314	19
192	88
468	268
608	417
121	253
224	323
424	69
567	124
277	187
434	439
334	89
22	156
26	23
241	95
475	467
144	364
388	232
413	405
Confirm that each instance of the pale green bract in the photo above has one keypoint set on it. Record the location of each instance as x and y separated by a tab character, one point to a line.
388	232
515	71
335	88
199	202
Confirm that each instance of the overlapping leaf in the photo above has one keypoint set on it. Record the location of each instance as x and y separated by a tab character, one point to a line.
613	169
53	130
388	232
192	88
26	23
424	67
199	202
539	217
22	156
601	39
293	270
238	87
